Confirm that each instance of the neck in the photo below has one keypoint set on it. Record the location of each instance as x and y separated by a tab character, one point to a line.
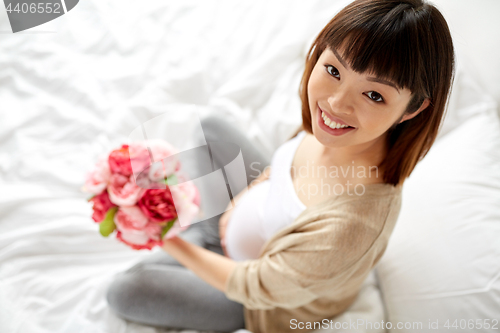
367	155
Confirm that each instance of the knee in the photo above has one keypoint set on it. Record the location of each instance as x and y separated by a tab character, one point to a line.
213	126
120	293
211	121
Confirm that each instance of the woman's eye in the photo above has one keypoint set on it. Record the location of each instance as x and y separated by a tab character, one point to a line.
332	70
375	96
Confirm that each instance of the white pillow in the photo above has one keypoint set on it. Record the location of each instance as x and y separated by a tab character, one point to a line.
443	258
476	30
467	98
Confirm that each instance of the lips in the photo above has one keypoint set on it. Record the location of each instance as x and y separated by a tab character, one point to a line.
332	131
335	119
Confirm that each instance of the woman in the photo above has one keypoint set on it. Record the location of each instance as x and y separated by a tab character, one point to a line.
374	90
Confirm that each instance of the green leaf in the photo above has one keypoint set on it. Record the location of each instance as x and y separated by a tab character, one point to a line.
107	226
171	180
167	227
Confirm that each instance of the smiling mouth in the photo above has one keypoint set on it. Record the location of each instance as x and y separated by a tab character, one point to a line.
331	127
331	123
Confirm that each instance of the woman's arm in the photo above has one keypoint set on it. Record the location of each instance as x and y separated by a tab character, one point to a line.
210	266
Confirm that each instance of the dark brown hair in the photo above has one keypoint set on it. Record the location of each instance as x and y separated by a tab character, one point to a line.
404	41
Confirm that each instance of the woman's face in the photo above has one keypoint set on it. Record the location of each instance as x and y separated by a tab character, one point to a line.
369	105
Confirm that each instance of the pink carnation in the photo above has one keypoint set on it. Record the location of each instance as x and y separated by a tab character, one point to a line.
185	195
161	149
123	190
148	246
189	189
134	228
153	230
97	180
163	166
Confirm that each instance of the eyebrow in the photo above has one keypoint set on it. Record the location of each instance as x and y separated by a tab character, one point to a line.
370	78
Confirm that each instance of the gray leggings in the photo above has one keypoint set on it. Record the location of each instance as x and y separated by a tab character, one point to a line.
159	291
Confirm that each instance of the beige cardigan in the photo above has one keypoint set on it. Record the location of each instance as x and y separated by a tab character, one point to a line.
314	268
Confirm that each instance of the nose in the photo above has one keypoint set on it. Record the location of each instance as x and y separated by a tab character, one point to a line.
341	101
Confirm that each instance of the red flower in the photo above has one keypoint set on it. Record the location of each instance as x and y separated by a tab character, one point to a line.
101	204
120	159
158	205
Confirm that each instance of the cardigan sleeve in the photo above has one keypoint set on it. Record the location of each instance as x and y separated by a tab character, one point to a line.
293	272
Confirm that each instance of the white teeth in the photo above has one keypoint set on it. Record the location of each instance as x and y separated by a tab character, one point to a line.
330	123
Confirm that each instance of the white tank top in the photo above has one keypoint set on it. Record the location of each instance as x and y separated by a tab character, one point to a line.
266	208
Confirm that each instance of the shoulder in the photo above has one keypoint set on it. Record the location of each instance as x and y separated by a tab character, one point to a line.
342	224
348	220
345	230
373	200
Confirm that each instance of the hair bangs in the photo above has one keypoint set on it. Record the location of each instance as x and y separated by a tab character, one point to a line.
385	46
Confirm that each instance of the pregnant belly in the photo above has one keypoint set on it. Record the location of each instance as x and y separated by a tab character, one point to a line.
244	236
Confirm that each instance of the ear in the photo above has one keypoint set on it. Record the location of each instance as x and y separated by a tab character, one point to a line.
424	105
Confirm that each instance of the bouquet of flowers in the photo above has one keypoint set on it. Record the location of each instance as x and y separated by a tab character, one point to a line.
135	196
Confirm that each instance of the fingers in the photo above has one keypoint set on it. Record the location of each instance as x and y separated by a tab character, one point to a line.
223	246
222	226
223	221
222	232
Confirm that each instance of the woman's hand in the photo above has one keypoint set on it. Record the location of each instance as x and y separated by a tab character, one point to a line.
210	266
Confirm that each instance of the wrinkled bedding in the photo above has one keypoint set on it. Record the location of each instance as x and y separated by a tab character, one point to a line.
75	87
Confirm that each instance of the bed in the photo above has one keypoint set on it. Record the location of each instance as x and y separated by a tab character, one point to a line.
75	87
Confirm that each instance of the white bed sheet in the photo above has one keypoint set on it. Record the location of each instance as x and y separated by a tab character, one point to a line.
77	86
